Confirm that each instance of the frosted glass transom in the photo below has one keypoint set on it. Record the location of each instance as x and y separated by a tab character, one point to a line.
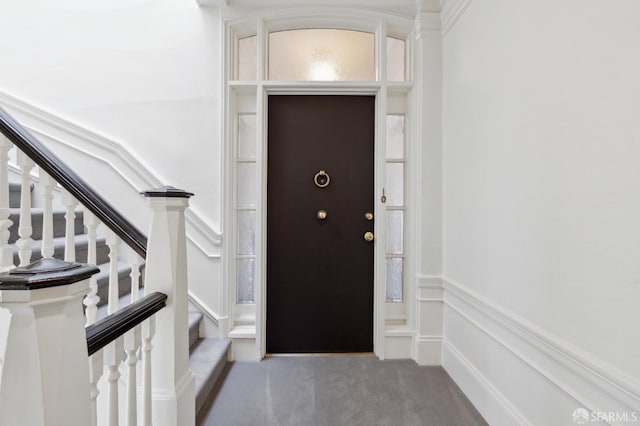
395	59
247	58
321	55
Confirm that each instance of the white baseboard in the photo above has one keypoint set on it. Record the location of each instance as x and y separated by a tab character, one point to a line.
493	405
516	373
429	350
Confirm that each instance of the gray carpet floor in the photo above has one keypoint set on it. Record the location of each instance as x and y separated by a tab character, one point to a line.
336	391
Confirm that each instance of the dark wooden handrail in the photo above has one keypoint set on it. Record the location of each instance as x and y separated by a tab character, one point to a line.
70	181
108	329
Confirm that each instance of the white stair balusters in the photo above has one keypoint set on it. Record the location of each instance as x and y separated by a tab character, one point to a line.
47	184
113	351
148	331
96	366
25	230
112	358
96	369
92	299
113	241
6	254
132	342
70	204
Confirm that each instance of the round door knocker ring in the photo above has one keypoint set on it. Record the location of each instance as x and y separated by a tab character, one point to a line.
321	179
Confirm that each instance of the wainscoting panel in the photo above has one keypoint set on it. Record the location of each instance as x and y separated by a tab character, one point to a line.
517	373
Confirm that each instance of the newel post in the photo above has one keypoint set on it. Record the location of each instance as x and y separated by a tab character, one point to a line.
172	381
44	379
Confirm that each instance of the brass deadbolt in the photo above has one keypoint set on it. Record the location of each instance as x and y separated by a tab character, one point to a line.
322	214
368	216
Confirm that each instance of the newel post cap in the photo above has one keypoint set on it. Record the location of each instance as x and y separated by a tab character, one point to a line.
46	273
167	192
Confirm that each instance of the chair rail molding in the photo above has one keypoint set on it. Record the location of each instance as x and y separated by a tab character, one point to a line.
124	162
567	375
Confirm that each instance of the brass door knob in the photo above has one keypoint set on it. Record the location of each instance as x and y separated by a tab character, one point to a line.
322	214
368	236
368	216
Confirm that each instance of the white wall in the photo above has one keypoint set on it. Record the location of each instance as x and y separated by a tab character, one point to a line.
144	74
541	188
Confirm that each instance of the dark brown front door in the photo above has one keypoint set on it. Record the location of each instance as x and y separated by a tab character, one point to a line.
320	271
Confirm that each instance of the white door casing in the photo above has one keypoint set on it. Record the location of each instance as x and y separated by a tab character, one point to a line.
397	326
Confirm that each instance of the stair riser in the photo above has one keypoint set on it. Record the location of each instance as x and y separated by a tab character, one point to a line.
124	287
59	226
14	194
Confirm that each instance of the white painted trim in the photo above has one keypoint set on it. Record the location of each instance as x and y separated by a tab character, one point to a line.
430	282
574	372
260	23
475	385
126	163
202	307
452	10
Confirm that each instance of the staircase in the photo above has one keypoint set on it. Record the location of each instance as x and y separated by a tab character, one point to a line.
208	356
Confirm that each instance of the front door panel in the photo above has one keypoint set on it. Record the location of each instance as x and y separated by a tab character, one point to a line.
320	271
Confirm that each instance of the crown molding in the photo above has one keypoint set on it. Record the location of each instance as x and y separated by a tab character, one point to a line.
452	10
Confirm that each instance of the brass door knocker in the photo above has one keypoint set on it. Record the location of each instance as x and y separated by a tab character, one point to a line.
321	179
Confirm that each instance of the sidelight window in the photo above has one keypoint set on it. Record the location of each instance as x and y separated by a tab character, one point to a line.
395	206
246	207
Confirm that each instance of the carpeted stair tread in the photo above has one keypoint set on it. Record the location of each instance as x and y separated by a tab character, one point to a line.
194	327
207	361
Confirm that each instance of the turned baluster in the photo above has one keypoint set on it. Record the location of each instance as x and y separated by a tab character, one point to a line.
47	184
92	299
6	254
25	230
148	331
70	204
132	341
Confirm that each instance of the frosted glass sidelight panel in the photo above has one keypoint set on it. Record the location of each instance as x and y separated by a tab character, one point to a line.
321	55
395	184
246	232
247	58
395	136
244	273
394	279
395	59
246	184
247	136
395	231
